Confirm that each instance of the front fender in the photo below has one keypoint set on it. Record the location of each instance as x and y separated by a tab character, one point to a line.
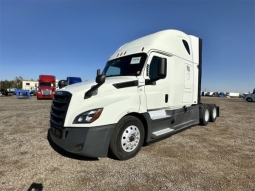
115	104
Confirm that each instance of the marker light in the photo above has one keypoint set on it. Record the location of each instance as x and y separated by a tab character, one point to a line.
88	116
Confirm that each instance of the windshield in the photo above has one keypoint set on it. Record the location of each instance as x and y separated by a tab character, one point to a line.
131	65
46	84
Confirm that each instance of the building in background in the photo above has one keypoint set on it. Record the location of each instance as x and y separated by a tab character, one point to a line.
32	84
29	84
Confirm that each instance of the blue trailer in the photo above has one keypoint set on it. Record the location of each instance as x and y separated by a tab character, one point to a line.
22	93
69	81
222	94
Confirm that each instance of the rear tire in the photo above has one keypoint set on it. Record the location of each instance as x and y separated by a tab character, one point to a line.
205	116
213	113
127	138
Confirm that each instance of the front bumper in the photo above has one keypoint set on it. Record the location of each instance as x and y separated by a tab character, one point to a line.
41	96
85	141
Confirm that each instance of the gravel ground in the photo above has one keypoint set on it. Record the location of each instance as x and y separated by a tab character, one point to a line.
220	156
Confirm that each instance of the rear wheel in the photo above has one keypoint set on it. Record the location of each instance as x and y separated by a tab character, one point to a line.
205	116
127	138
213	113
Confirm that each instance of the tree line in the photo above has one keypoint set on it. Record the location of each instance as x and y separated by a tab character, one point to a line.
16	83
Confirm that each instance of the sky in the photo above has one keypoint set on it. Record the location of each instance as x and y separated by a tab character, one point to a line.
76	37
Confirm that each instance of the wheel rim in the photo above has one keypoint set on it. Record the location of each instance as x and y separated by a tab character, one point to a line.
214	112
130	138
206	115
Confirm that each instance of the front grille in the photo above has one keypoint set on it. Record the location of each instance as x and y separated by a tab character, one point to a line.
59	107
46	92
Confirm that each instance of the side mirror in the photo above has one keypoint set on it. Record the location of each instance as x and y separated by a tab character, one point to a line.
162	67
100	79
162	64
62	83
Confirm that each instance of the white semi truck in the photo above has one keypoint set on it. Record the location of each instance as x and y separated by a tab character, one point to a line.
250	97
148	90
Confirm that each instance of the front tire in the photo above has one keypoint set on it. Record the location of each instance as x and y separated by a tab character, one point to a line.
249	99
127	138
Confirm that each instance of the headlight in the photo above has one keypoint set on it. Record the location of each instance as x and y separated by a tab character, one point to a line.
88	116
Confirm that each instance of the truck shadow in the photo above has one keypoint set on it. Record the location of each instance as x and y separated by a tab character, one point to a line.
35	186
67	154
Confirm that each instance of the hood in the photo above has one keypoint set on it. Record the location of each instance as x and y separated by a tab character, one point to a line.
107	86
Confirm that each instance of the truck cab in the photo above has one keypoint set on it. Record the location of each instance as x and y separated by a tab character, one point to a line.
149	89
250	97
46	87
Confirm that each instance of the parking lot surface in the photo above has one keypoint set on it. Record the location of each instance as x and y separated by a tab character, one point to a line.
219	156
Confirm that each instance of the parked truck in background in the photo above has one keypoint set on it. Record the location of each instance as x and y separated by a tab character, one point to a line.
209	94
250	97
233	95
149	89
46	87
73	80
6	92
69	81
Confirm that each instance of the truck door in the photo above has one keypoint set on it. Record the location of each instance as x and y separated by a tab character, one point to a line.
157	93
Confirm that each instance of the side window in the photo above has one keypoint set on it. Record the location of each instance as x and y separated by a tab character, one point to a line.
27	84
112	71
153	71
186	45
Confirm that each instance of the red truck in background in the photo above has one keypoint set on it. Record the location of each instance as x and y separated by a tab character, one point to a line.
46	87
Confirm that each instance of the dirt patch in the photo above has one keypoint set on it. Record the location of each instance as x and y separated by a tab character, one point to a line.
219	156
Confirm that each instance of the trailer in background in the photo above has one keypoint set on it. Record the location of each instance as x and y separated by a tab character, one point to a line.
222	94
232	95
22	93
69	81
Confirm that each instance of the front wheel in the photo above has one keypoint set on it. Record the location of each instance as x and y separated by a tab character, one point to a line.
127	138
249	99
